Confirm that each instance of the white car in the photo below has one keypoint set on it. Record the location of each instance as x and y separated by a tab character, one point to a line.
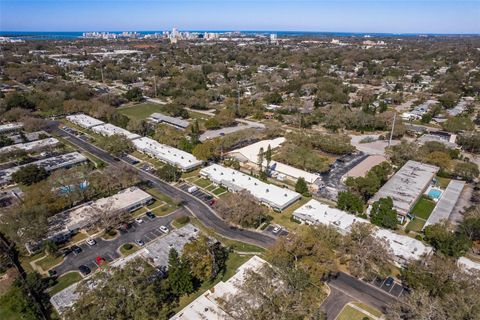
91	242
276	229
164	229
139	220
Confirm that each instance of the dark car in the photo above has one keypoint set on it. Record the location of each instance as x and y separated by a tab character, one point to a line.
76	249
212	202
67	251
124	227
389	281
84	270
150	214
208	197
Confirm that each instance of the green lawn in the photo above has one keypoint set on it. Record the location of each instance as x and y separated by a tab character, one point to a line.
368	308
9	315
154	204
164	210
142	111
112	234
349	313
284	218
415	225
125	252
211	187
160	196
443	182
65	281
219	191
191	174
203	183
49	261
423	208
139	212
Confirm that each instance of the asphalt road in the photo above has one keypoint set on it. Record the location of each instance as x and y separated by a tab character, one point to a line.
195	206
107	249
346	288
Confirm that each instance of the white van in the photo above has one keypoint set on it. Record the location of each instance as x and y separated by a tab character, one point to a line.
192	189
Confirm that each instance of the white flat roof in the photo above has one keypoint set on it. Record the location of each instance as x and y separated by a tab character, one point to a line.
30	146
251	152
49	164
157	251
407	185
178	122
171	155
11	126
108	130
468	264
403	247
207	306
84	121
447	202
65	298
176	239
276	197
85	214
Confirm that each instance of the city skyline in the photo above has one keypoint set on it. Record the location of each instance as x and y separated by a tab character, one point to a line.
443	17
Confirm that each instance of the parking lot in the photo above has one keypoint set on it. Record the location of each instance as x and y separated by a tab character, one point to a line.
282	233
331	182
200	194
396	289
147	231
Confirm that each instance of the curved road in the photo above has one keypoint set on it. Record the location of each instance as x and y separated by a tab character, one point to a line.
197	207
345	288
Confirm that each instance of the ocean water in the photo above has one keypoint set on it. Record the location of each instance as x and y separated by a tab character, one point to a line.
56	35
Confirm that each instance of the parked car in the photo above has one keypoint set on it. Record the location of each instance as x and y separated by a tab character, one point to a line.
84	270
276	229
76	249
139	220
389	281
192	189
164	229
212	202
150	215
67	251
91	242
140	242
124	227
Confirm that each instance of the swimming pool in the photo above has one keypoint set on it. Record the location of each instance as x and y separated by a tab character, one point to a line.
434	193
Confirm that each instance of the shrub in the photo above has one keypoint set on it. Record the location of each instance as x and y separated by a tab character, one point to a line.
127	246
182	220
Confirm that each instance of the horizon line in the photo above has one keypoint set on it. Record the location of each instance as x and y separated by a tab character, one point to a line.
252	30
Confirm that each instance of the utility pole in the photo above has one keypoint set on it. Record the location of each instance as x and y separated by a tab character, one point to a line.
155	84
393	128
101	72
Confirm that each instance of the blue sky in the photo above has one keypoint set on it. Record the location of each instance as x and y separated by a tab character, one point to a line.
394	16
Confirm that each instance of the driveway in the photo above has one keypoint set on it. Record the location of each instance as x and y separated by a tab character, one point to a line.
107	249
331	182
194	205
346	288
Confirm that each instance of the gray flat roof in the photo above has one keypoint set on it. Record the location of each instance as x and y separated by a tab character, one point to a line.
178	122
407	185
446	203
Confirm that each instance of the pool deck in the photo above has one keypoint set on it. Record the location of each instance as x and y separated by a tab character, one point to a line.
446	203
